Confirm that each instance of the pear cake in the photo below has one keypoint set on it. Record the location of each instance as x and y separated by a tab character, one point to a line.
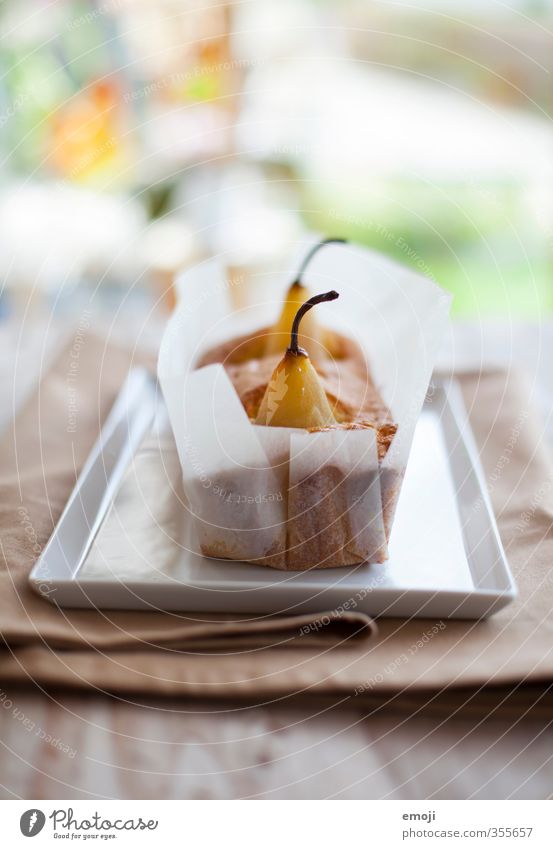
340	364
344	376
330	395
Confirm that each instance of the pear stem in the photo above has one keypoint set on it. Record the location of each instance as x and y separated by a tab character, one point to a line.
316	299
315	249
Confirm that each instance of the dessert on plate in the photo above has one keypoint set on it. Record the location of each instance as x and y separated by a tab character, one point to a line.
293	464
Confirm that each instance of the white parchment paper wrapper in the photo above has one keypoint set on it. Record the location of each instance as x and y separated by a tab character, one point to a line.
234	494
334	500
398	318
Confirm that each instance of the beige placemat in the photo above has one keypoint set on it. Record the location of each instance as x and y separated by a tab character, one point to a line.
230	657
40	458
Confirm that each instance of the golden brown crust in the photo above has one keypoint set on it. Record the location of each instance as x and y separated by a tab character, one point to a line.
237	350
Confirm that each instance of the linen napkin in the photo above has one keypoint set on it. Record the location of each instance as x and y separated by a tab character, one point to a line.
410	661
40	459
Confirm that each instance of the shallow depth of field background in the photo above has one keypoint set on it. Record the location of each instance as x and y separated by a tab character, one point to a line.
138	136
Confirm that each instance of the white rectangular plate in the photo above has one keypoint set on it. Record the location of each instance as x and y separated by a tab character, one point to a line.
125	541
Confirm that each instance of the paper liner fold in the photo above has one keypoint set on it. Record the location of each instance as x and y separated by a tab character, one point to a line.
234	494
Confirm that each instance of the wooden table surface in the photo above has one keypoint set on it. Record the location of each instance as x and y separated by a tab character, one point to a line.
90	746
75	747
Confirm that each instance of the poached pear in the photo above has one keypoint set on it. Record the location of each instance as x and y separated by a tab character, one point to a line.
294	396
312	334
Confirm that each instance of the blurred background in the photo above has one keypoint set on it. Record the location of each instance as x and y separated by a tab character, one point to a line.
138	136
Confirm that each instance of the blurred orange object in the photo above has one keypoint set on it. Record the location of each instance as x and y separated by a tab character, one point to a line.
86	133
